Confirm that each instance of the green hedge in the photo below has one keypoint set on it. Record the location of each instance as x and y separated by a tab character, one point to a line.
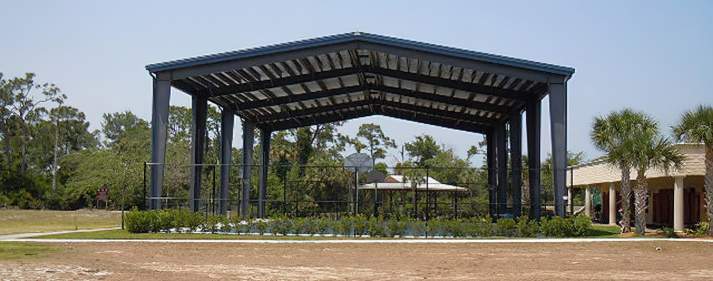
356	226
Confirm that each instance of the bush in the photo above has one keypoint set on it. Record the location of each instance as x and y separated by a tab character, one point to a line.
455	228
396	228
582	225
527	228
193	221
215	223
506	227
137	221
417	227
165	220
324	225
434	227
280	226
566	227
669	232
344	226
479	227
260	226
360	224
376	227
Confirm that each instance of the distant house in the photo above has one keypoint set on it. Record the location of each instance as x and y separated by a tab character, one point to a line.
676	197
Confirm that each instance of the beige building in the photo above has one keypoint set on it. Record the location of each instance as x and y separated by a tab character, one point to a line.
676	197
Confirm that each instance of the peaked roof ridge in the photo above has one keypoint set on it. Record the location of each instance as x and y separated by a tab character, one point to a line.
359	36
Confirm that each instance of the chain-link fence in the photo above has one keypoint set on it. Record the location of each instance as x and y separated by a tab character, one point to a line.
312	190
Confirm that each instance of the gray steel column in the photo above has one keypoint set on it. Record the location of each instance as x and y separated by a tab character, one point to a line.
248	140
516	162
502	170
159	133
533	156
227	121
198	132
492	177
264	169
558	125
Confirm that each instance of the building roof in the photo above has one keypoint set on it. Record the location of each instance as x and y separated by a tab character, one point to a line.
598	171
352	75
399	183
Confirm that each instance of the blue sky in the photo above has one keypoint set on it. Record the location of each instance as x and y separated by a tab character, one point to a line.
649	55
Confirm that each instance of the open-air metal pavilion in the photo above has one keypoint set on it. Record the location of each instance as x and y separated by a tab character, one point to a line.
354	75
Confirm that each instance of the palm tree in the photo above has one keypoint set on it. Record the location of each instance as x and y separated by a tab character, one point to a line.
697	126
651	151
615	134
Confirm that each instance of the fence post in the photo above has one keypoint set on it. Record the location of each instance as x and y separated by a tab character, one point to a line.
212	194
143	207
428	197
356	191
284	196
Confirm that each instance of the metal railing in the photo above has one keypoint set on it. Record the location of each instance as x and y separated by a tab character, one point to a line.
313	190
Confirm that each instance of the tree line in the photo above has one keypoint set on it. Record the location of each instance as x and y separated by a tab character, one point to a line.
53	159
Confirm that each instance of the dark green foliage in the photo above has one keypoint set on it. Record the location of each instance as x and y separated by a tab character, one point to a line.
360	223
174	220
260	226
669	232
281	225
527	228
377	227
396	227
138	222
506	227
566	227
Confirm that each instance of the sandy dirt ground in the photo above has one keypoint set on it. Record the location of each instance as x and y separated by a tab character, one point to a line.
200	261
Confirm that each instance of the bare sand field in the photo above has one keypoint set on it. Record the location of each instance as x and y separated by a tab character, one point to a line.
541	261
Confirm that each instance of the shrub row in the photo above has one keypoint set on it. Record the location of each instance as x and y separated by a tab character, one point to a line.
185	221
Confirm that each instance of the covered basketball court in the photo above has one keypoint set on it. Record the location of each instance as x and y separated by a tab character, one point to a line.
354	75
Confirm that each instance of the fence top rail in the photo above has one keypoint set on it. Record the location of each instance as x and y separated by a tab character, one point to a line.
310	166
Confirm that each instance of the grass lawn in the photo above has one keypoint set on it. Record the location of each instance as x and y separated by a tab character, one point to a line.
604	231
598	231
12	250
24	221
123	234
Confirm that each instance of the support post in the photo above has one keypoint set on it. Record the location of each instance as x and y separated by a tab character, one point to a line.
198	132
264	169
516	163
159	133
678	204
492	176
502	167
227	121
533	156
612	204
248	140
558	127
588	201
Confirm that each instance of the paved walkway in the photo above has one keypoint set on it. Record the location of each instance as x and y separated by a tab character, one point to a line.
365	241
20	236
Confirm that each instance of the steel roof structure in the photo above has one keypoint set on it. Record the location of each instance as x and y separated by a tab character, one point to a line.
352	75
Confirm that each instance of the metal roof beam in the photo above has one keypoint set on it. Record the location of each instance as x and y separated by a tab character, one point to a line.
435	121
443	99
281	82
301	97
314	120
453	84
462	117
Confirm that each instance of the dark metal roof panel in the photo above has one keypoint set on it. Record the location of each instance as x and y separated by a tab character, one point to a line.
366	37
